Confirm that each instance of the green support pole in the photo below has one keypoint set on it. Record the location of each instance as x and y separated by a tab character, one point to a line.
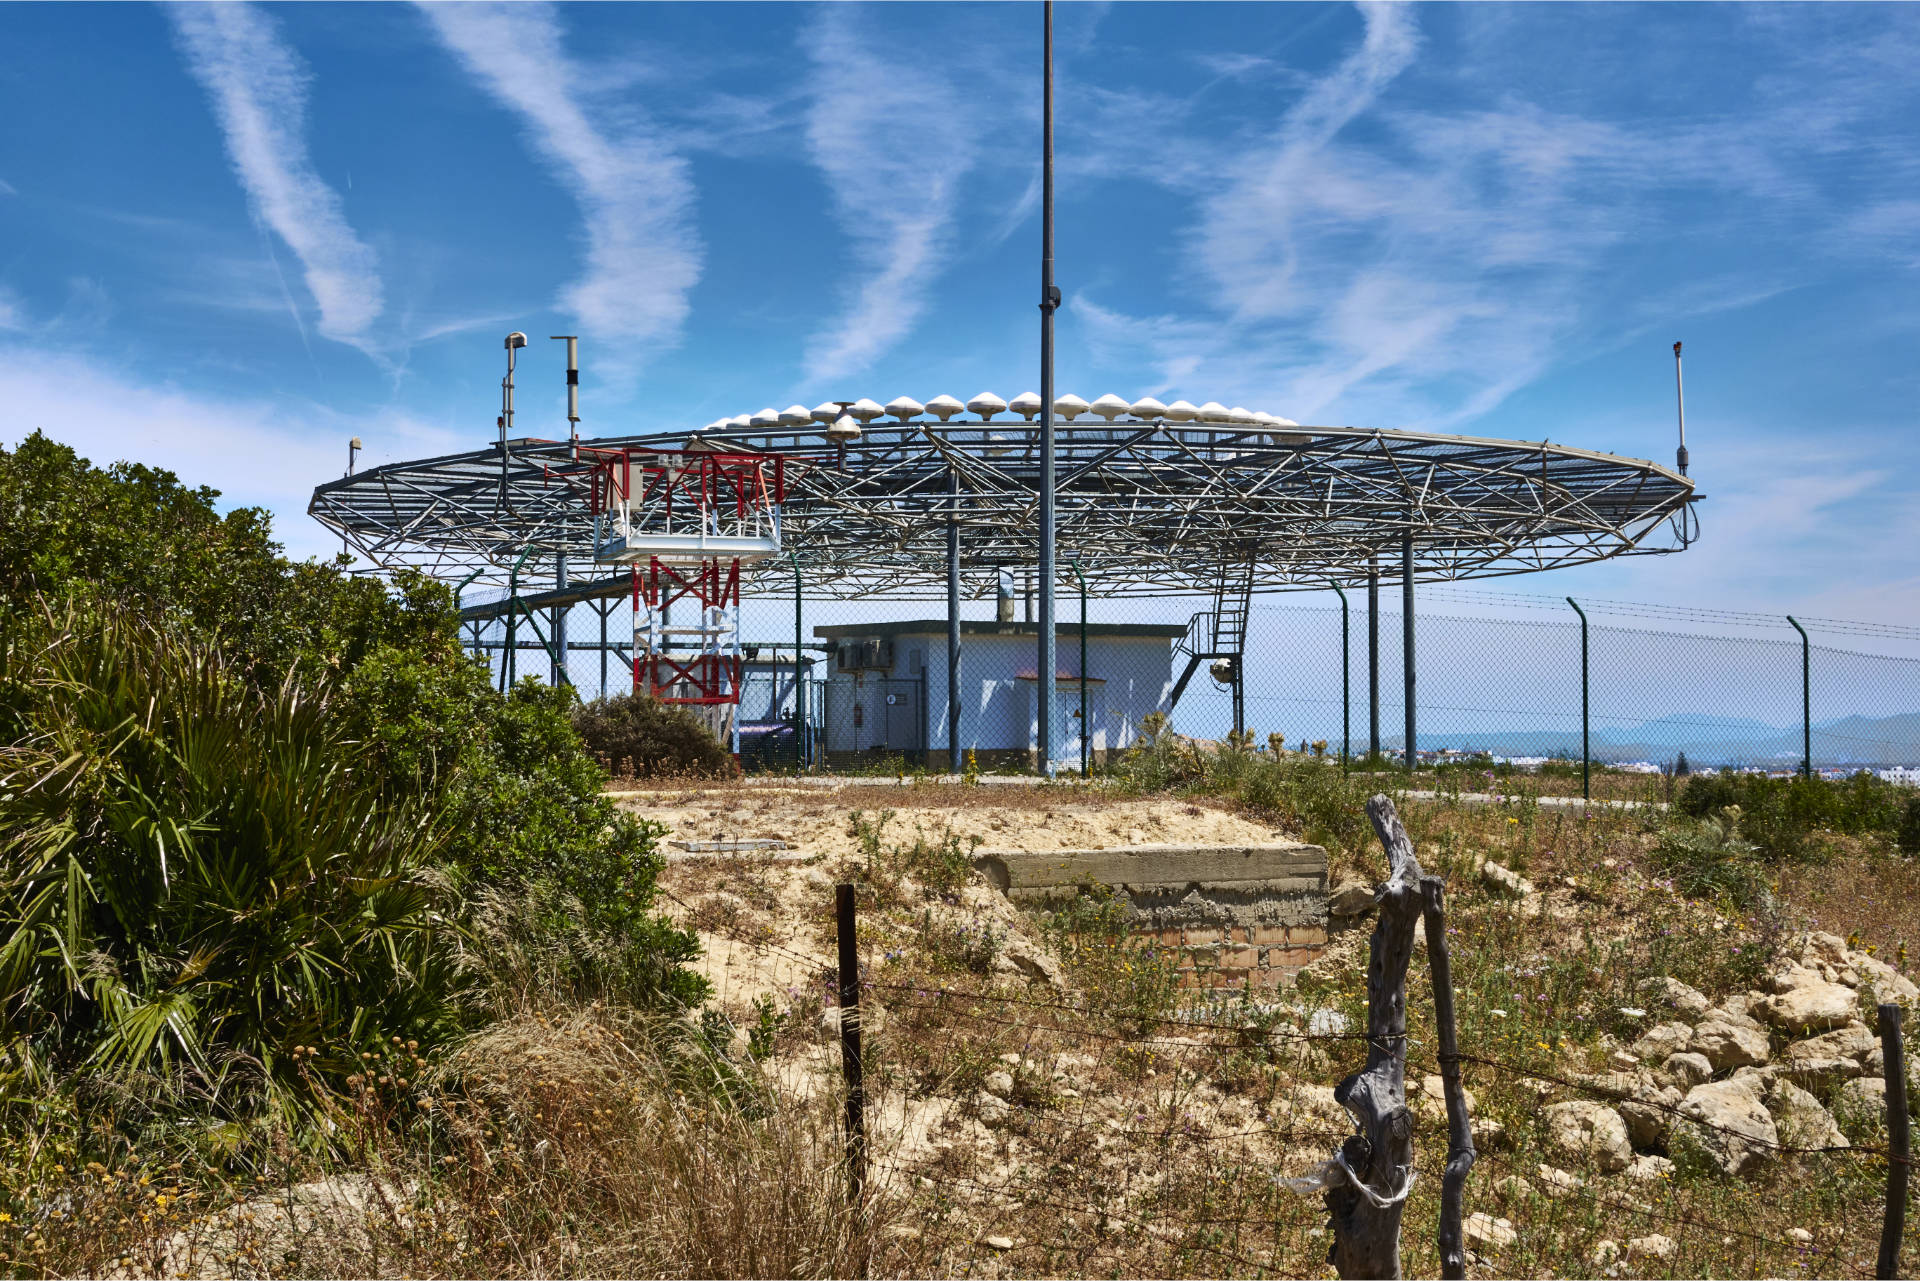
799	679
510	660
1346	705
460	591
1586	749
1086	739
1806	698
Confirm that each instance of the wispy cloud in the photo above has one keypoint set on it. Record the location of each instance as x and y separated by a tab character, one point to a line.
258	88
635	192
894	151
257	451
11	315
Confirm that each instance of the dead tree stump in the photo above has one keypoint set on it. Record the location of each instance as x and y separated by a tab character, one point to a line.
1372	1171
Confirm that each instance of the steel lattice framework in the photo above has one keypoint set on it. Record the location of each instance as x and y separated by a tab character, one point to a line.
1146	506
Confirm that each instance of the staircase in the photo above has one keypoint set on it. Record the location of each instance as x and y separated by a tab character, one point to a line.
1218	633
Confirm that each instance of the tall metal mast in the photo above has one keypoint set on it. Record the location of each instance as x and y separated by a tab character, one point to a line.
1049	300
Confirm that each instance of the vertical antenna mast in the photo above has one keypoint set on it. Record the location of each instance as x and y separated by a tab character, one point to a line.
1049	300
1680	395
573	387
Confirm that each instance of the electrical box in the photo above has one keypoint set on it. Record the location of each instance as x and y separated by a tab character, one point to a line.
863	655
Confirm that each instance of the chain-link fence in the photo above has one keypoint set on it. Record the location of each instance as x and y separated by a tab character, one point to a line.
1506	677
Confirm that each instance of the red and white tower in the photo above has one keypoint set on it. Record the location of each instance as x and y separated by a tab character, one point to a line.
691	523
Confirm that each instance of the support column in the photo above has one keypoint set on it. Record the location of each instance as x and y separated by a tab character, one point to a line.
1373	658
953	621
558	668
1049	300
802	756
605	608
1406	633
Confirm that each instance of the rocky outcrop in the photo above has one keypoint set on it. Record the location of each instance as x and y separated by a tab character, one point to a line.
1590	1131
1729	1121
1799	1117
1649	1115
1684	1070
1504	880
1672	994
1661	1040
1814	1007
1730	1039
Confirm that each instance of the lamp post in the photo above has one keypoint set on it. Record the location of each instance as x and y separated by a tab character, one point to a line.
1049	301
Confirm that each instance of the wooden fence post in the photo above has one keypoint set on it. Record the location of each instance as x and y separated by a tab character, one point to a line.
1899	1142
1460	1151
1372	1171
850	1064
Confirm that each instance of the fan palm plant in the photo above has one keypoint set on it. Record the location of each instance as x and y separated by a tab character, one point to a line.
192	874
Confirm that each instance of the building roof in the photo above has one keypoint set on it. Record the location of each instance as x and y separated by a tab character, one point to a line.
971	627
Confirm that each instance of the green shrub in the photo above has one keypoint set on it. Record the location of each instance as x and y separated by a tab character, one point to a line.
1707	858
527	815
1908	837
1784	815
637	735
197	874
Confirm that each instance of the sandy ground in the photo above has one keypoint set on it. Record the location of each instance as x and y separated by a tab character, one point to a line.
814	821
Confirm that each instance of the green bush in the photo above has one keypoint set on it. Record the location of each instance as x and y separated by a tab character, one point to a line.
1908	837
1707	858
636	733
1783	816
524	803
197	874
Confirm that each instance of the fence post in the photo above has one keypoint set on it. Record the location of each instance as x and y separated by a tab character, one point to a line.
1373	663
1346	684
850	1065
1460	1151
1086	730
1372	1171
799	679
953	621
1899	1142
1586	741
1806	698
1406	639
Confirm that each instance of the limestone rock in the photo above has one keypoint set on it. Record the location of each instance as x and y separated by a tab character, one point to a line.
1735	1128
999	1084
1800	1118
997	1242
1020	956
1813	1008
1605	1253
991	1108
1887	984
1623	1060
1651	1247
1504	880
1728	1044
1591	1131
1350	898
1434	1087
1801	1235
1489	1135
1649	1115
1685	1069
1645	1169
1556	1182
1853	1040
1487	1232
1661	1040
1675	995
1792	976
1318	1101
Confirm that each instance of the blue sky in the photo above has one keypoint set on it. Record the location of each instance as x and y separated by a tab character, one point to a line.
230	238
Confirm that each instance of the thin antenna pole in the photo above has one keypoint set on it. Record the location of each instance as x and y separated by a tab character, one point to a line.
1680	396
573	388
1049	299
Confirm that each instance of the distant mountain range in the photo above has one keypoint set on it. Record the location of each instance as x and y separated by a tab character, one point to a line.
1708	740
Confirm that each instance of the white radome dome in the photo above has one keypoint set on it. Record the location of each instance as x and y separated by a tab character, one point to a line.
826	412
1026	404
1148	407
905	408
986	404
1214	412
768	417
866	410
795	416
1069	406
1181	411
944	407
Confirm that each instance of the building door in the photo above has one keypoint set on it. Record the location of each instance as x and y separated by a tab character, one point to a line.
903	717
